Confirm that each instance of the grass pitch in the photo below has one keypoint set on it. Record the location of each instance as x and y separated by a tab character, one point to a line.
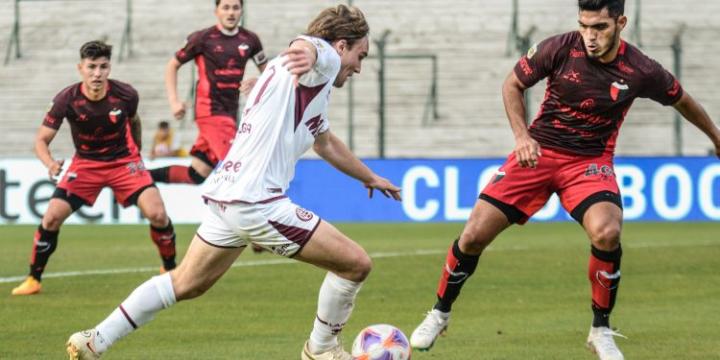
529	298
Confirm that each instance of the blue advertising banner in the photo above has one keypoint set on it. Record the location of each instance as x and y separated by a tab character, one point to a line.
653	189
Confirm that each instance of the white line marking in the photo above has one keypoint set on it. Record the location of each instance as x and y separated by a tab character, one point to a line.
283	261
249	263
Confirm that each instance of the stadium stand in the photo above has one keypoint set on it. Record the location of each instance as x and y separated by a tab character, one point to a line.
468	36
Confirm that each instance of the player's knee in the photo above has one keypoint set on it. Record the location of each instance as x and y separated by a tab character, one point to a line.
606	238
361	267
472	243
186	289
157	216
52	222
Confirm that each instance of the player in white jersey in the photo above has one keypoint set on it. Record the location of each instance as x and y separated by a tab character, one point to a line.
286	113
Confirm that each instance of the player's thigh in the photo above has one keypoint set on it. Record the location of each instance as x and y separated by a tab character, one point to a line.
218	132
201	267
520	192
128	180
83	181
332	250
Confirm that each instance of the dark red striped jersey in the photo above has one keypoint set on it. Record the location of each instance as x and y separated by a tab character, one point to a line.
221	63
100	129
586	101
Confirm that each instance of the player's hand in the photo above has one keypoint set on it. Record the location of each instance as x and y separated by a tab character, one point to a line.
527	151
384	186
55	169
247	85
178	109
717	150
299	61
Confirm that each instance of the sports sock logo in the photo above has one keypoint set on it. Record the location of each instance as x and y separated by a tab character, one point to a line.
455	277
607	280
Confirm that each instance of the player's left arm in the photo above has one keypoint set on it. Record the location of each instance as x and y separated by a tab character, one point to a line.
136	130
248	84
334	151
694	113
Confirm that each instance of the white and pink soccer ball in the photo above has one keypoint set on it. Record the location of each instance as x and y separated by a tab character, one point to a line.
381	342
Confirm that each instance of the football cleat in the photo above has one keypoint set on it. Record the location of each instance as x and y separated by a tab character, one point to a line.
600	341
434	325
81	345
28	287
336	353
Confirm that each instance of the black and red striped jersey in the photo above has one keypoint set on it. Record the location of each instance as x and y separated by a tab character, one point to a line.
100	129
585	100
221	61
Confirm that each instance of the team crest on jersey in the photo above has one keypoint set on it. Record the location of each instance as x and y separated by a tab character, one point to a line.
243	49
499	175
113	114
303	214
616	88
532	51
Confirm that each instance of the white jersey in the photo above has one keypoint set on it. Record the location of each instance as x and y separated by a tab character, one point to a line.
280	122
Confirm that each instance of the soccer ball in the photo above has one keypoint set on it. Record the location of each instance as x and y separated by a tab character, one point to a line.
381	342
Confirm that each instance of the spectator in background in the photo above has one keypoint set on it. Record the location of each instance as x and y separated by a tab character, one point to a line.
165	143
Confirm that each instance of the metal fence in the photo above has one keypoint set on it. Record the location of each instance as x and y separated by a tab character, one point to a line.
14	40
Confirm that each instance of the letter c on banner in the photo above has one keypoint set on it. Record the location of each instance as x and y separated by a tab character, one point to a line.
409	183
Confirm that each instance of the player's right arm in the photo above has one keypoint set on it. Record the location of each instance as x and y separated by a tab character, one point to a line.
177	107
301	57
527	150
539	62
192	48
43	138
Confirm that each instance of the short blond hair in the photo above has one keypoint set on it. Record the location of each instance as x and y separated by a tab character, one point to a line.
340	22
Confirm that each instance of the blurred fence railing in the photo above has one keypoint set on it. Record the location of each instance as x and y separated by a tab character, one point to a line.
14	41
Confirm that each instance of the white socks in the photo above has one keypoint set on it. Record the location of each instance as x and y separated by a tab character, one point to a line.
335	303
138	309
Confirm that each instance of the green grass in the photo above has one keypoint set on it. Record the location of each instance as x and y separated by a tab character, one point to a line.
529	298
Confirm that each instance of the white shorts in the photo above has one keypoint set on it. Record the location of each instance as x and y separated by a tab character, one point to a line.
279	226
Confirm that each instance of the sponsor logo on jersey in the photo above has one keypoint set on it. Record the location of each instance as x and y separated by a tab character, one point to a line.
525	66
218	49
573	76
575	53
616	88
113	114
243	49
587	104
303	214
